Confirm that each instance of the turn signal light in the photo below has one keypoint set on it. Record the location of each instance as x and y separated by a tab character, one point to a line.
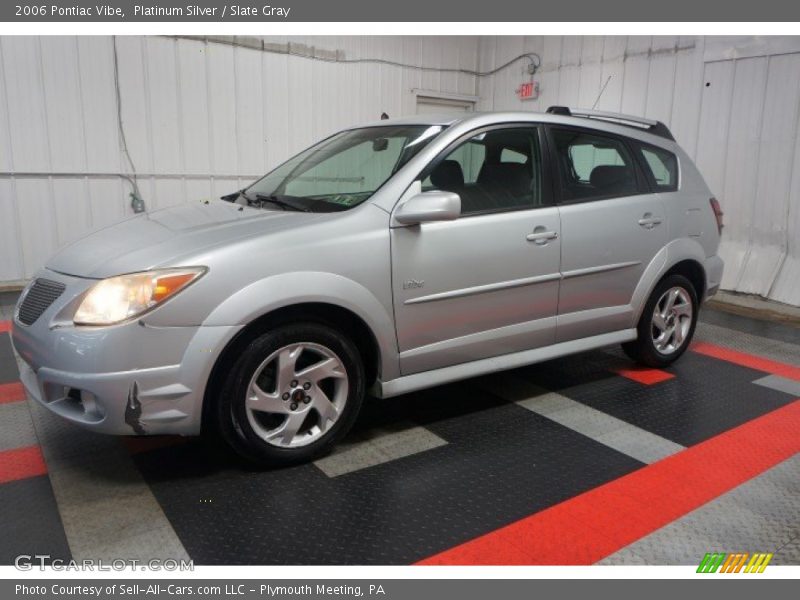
169	284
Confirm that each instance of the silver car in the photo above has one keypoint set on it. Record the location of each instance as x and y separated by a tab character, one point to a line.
385	259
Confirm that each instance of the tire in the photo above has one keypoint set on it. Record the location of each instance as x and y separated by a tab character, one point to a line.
662	341
291	394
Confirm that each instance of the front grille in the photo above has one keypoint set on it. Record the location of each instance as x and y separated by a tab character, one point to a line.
40	296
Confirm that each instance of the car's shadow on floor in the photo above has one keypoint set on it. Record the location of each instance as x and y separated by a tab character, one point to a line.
207	455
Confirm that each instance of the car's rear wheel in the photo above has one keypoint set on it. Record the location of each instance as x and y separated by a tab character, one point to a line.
291	394
667	323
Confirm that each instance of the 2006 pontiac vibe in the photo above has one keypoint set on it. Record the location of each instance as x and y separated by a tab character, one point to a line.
390	257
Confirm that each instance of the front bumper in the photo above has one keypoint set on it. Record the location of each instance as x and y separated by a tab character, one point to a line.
125	379
130	402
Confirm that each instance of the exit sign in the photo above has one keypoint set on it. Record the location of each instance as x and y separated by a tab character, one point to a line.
528	90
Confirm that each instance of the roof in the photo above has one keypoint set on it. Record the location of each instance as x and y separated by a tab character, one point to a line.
611	122
425	119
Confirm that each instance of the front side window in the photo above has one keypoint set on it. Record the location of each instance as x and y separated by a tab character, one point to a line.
342	171
496	170
662	166
593	166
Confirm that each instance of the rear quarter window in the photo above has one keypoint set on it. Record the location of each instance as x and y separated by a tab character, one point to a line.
661	167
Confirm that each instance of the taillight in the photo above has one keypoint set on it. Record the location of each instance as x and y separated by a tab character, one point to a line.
717	214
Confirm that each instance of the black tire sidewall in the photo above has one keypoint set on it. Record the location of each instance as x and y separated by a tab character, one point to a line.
232	415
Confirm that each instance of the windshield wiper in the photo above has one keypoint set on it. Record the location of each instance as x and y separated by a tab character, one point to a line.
273	199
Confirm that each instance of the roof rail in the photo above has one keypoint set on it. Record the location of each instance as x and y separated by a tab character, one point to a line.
649	125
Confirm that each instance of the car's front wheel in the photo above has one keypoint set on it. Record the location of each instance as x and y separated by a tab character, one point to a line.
291	394
667	323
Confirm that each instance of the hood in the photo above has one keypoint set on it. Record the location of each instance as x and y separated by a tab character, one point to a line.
159	238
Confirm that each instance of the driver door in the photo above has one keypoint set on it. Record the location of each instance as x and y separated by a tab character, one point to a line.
487	283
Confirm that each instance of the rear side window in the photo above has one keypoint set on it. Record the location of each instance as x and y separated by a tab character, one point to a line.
662	166
593	167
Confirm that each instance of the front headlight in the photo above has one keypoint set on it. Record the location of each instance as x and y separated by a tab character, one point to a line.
119	298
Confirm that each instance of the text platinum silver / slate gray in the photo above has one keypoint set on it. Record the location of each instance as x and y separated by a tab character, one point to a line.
385	259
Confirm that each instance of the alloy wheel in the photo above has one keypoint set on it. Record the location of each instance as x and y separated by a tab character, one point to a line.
672	320
296	395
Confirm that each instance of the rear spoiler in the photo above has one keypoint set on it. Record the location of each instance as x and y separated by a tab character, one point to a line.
649	125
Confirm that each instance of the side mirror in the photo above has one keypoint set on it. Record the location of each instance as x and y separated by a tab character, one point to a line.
429	206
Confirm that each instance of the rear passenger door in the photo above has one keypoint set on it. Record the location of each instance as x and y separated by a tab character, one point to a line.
612	226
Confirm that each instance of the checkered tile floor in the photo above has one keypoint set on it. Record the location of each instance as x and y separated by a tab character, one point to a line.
620	465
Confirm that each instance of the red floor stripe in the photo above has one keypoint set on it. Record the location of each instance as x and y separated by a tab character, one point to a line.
11	392
21	463
5	326
748	360
589	527
644	375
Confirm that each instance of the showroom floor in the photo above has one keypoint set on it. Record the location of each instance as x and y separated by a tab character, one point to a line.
574	461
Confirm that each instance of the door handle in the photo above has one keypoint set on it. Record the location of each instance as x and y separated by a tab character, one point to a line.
648	221
541	236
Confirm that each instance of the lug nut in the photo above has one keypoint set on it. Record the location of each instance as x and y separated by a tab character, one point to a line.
307	399
285	396
294	383
293	406
306	386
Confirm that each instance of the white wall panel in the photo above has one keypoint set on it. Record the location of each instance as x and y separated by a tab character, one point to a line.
221	81
768	234
570	77
635	75
108	200
168	191
161	79
224	185
250	137
193	87
612	74
734	150
71	212
134	91
63	105
275	76
661	79
6	153
591	70
787	284
687	92
715	112
201	119
197	189
36	219
11	266
549	77
101	129
25	103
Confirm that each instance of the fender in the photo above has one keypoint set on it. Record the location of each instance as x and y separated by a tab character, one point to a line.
666	258
278	291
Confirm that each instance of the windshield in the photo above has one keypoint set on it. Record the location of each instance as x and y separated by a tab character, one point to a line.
341	171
